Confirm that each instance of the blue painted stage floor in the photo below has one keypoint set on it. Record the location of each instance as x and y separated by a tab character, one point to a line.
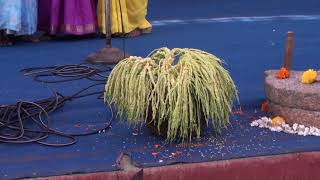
249	46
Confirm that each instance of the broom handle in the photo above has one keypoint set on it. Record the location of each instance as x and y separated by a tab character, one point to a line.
107	23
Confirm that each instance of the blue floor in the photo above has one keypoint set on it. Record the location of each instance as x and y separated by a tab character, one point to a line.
248	48
188	9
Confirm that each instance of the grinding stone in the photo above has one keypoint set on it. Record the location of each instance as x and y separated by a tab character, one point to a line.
293	115
291	92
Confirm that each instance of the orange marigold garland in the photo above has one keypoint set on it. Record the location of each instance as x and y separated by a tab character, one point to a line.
283	73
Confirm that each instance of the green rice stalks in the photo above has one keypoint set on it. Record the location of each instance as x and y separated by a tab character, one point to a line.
179	85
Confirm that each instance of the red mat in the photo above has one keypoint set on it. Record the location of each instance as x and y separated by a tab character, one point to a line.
300	166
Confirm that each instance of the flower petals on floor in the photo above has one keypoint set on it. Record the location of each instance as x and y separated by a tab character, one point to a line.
299	129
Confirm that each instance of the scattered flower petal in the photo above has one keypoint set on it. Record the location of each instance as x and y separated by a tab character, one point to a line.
135	134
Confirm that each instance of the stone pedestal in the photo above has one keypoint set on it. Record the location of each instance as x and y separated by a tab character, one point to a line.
293	100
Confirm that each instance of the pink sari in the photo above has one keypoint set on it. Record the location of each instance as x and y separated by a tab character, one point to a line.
76	17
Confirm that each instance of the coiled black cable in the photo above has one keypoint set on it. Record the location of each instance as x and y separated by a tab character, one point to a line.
26	121
70	72
29	122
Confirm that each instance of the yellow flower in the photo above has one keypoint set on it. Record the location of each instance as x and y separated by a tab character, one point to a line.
309	76
277	121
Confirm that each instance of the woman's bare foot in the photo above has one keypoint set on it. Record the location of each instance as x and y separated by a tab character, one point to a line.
146	30
45	38
5	40
119	35
27	38
134	33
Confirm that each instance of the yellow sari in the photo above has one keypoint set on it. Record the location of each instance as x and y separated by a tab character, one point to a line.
133	15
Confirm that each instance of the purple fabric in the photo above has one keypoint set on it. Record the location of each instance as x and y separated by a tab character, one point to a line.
76	17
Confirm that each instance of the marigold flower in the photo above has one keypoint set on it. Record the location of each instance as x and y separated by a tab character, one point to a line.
277	121
283	73
309	76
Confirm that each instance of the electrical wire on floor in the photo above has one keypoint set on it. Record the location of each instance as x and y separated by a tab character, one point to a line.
70	72
28	122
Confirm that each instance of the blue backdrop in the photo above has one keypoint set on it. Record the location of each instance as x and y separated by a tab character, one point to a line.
248	45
